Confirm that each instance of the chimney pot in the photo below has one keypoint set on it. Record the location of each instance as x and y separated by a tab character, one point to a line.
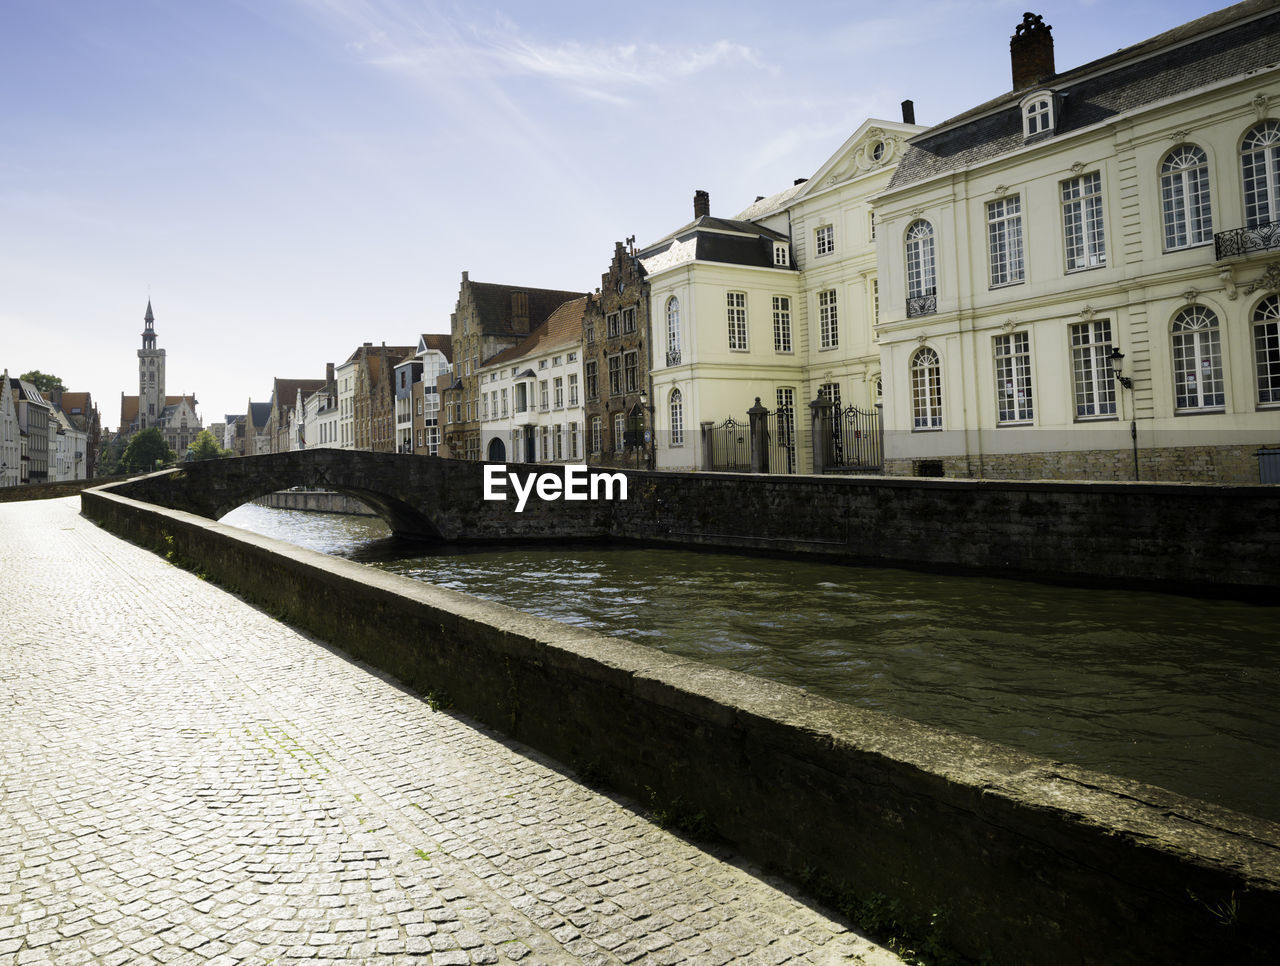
1031	52
701	204
908	112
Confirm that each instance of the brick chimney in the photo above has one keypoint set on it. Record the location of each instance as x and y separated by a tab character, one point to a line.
1031	52
908	112
701	204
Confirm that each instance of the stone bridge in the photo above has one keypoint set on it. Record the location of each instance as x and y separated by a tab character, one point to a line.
423	497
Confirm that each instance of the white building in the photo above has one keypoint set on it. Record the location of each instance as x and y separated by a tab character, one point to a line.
1120	215
530	395
10	435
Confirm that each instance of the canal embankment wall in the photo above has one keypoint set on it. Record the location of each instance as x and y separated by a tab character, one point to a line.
1198	538
1006	857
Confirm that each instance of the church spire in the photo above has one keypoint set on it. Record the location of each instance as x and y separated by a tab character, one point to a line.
149	318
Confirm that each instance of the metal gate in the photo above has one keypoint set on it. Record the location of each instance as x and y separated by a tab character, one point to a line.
781	440
857	441
731	446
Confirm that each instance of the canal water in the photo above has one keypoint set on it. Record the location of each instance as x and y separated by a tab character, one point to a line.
1175	691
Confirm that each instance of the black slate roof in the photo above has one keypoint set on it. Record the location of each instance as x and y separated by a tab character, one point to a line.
1096	93
723	240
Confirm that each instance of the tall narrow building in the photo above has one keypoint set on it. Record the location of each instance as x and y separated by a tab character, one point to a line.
151	399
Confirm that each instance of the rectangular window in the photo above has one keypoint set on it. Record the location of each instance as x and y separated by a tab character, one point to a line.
504	402
1004	240
824	240
543	396
1013	378
615	375
612	325
542	364
872	232
1086	245
629	320
781	323
780	257
573	441
559	393
619	432
737	316
1095	386
597	434
558	435
631	364
590	337
573	389
828	332
589	375
544	454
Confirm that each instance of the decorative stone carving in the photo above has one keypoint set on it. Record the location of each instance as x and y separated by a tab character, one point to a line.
1001	190
1088	312
1268	281
1259	105
1191	294
1179	136
1078	167
1229	283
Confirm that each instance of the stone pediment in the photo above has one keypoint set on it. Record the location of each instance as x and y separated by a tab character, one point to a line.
867	150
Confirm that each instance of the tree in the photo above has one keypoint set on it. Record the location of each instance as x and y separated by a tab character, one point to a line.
205	447
145	450
43	381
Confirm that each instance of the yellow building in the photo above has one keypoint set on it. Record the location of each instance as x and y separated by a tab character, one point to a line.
1078	279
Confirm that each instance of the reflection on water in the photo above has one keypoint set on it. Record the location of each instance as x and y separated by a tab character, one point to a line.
1175	691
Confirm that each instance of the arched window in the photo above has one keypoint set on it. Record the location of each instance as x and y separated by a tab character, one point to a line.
1197	360
1260	168
1037	117
1184	195
1266	349
673	331
926	390
677	418
921	270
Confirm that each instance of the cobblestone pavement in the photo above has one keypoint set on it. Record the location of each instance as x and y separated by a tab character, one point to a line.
185	781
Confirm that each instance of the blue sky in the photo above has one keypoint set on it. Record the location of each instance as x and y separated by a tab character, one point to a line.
286	179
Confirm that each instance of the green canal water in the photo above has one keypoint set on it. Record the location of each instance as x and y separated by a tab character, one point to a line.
1175	691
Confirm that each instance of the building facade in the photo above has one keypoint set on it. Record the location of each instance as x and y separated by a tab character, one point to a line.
488	318
176	416
1081	278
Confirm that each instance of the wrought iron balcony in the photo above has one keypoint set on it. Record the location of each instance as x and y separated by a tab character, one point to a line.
1245	241
673	357
922	305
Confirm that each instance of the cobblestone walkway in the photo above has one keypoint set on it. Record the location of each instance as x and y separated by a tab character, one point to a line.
185	781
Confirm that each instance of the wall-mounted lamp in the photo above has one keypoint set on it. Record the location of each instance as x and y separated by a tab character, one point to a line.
1117	363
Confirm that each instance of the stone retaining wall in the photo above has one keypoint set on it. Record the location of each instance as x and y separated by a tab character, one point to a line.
1028	861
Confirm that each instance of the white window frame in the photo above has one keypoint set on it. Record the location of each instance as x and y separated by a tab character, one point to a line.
619	432
1038	115
736	309
824	240
1185	207
1093	383
673	330
1197	361
926	390
782	324
1266	350
1006	259
828	320
1260	173
781	255
676	409
597	433
1084	234
1015	403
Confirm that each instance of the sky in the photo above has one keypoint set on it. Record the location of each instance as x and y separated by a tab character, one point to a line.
286	179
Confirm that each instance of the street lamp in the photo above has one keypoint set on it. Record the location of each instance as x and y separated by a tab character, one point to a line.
1117	364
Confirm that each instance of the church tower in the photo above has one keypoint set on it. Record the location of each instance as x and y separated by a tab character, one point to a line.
150	375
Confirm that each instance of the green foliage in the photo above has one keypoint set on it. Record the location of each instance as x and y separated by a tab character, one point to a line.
145	450
43	381
205	447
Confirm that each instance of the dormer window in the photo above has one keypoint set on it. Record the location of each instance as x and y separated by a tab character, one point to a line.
781	256
1038	115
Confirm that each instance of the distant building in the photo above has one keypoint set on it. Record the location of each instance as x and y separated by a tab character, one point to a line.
10	434
34	415
175	416
83	414
436	353
487	319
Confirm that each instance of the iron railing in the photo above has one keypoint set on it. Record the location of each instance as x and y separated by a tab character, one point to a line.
781	440
926	304
1243	241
